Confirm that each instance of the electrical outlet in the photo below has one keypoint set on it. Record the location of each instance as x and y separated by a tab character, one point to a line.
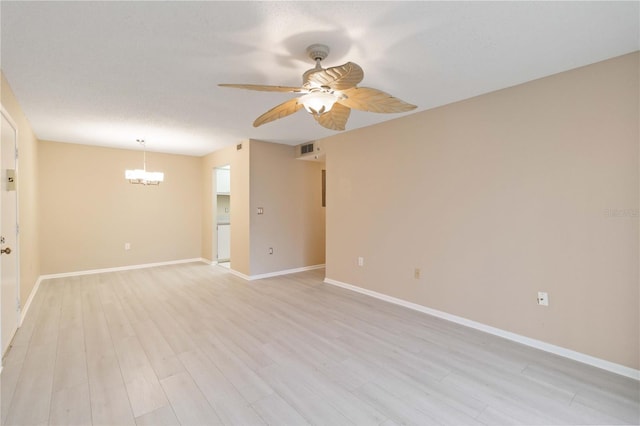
416	273
361	261
543	298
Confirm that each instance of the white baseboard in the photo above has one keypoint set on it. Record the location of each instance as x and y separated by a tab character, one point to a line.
285	272
238	274
27	305
275	274
538	344
121	268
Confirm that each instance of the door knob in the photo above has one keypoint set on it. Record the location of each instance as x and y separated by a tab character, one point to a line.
6	251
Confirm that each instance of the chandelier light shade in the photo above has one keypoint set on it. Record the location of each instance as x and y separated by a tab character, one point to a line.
318	102
142	176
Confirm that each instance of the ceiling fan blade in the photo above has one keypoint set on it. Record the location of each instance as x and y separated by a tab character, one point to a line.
373	100
279	111
263	88
338	78
334	119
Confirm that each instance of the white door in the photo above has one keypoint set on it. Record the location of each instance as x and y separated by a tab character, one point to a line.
9	306
224	243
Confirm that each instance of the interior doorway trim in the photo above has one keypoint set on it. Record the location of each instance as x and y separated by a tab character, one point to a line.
13	245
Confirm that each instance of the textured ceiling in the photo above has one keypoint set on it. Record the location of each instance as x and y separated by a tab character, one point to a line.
107	73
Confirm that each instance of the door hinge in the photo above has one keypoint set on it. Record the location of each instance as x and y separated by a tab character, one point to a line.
16	153
17	304
17	229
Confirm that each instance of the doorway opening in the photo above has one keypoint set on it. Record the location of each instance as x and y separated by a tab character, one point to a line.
223	215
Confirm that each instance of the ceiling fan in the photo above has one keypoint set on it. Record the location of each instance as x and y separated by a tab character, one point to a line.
329	94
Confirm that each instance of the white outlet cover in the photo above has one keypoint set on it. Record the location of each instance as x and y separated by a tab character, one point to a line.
543	298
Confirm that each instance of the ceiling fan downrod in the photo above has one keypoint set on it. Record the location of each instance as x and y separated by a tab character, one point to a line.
317	53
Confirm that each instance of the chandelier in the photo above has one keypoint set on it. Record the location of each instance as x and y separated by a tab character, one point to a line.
142	176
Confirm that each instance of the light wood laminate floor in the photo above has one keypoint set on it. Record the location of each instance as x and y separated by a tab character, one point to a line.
193	344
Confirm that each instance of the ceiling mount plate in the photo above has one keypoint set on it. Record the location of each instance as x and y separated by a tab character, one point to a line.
318	52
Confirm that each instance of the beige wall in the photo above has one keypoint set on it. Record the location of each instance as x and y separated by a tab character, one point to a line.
293	222
239	161
27	193
88	211
530	188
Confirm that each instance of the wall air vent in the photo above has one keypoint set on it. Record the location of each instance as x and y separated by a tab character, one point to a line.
310	151
306	149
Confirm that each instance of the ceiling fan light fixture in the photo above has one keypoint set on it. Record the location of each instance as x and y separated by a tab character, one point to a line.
317	103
